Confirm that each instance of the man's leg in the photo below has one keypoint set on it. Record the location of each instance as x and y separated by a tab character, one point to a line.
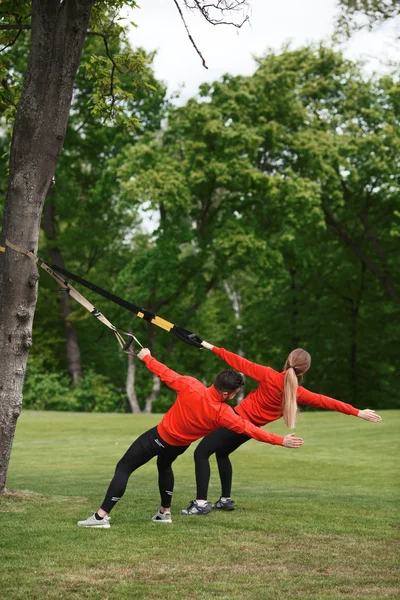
165	473
166	457
140	452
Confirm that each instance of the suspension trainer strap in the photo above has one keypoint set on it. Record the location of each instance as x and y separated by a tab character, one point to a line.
71	291
55	271
182	334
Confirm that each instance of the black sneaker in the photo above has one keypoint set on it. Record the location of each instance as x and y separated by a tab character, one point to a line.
196	509
224	504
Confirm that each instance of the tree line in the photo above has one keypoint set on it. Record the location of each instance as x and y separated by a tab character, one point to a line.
262	214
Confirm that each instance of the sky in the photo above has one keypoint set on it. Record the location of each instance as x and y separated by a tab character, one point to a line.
227	49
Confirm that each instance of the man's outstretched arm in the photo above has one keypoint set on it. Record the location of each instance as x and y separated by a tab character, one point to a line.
228	418
172	379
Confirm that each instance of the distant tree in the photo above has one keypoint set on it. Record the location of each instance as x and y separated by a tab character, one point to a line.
361	14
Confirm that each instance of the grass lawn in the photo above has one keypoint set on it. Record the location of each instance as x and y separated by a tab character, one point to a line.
320	522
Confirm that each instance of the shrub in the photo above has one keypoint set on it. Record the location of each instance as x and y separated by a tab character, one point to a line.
44	390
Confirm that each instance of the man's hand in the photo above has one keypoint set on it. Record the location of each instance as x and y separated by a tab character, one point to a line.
369	415
144	352
207	345
291	441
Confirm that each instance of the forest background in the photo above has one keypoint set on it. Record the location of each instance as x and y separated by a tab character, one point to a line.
263	214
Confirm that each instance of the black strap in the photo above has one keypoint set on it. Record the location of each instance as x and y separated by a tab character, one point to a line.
148	316
182	334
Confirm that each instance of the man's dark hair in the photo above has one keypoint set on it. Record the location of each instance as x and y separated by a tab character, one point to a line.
228	381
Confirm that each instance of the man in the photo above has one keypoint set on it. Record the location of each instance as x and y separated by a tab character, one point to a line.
197	411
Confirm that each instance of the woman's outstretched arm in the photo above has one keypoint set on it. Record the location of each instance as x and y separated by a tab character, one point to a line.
253	370
319	401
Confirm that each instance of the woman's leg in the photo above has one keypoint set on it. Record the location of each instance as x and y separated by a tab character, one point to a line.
142	450
217	441
225	465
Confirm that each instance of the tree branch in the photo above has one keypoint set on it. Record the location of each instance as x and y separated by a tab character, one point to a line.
222	6
189	35
105	40
9	27
11	43
350	243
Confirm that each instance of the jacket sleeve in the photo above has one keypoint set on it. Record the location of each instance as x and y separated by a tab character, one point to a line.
168	376
253	370
306	397
228	418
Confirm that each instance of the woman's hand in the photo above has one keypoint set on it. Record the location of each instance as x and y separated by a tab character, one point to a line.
369	415
207	345
291	441
144	352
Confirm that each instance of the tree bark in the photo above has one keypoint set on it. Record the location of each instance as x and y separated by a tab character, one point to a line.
71	337
57	38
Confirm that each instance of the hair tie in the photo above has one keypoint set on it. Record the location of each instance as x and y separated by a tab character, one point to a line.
292	367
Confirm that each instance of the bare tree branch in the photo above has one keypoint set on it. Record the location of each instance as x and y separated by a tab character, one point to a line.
189	35
222	6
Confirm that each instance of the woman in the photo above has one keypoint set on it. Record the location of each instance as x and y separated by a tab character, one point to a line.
277	395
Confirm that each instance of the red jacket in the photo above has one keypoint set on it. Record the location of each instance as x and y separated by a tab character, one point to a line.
264	404
198	410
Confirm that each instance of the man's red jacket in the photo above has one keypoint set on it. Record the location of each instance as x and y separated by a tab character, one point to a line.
198	410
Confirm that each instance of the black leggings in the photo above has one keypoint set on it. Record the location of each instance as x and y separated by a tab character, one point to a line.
143	449
222	442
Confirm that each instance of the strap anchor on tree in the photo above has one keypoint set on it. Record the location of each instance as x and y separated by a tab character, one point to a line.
55	271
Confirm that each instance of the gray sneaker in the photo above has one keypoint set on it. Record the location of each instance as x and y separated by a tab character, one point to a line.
197	509
160	517
91	521
227	504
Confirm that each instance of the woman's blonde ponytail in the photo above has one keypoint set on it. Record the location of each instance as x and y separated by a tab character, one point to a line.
289	398
298	363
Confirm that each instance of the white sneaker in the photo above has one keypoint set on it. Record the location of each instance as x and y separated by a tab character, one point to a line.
197	509
160	517
91	521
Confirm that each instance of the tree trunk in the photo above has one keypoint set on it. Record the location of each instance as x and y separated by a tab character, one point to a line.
71	337
236	302
130	384
58	34
295	308
355	314
155	392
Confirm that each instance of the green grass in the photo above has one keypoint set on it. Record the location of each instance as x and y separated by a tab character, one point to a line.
315	523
